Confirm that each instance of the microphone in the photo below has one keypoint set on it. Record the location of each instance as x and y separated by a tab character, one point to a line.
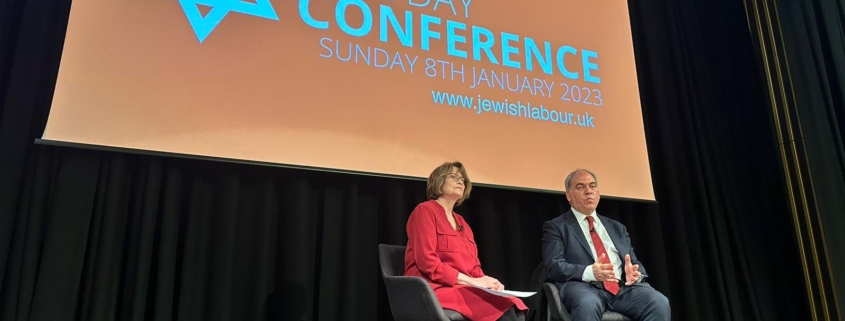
593	230
460	228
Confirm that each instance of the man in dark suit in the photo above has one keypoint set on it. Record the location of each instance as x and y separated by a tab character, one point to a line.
590	259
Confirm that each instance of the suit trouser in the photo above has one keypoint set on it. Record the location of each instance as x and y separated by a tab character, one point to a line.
637	302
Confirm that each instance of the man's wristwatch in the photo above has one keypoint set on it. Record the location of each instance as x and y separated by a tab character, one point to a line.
640	278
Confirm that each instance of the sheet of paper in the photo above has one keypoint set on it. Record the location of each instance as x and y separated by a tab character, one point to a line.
519	294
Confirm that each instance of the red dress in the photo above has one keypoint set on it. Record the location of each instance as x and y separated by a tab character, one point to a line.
437	252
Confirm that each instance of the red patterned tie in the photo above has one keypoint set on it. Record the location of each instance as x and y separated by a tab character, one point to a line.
613	287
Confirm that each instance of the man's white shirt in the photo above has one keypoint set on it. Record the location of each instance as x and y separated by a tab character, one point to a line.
609	247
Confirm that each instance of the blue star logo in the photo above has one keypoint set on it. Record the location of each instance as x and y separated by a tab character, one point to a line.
203	26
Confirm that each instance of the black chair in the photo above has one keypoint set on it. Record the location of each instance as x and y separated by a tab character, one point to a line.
538	308
554	307
410	297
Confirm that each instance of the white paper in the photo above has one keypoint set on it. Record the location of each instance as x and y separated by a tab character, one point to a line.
519	294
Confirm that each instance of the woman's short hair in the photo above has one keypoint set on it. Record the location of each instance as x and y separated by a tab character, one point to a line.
438	177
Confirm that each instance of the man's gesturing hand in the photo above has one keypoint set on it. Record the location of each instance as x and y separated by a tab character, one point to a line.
604	271
632	272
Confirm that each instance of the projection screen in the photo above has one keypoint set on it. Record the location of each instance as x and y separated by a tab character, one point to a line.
522	92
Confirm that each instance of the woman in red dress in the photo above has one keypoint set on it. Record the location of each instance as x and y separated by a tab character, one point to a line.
441	249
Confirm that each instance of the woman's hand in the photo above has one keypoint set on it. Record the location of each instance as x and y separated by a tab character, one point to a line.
492	283
484	282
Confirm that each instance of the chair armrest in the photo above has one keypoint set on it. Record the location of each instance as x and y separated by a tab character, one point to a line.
557	311
412	299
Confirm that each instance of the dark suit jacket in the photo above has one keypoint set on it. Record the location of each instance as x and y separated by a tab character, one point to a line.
566	252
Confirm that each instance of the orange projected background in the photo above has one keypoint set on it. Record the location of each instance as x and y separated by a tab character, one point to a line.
522	92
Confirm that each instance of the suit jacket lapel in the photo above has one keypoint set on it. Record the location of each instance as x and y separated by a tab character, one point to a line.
575	228
616	237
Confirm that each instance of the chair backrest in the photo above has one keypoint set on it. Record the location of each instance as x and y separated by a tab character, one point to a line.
537	303
410	297
538	277
392	259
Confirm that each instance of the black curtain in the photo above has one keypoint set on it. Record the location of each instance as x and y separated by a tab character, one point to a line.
97	235
813	33
715	164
